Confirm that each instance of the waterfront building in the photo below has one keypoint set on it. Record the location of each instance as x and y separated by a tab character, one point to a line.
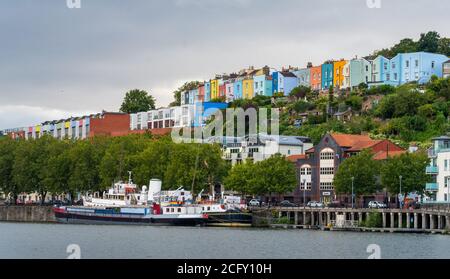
320	163
229	90
327	75
316	78
247	88
215	88
283	82
162	120
207	97
104	123
380	71
356	71
237	90
237	150
439	170
446	69
338	73
201	93
303	77
263	84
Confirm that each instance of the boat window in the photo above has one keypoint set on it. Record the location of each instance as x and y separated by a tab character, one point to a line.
209	208
179	209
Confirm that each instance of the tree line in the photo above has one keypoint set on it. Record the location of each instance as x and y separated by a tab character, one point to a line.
47	165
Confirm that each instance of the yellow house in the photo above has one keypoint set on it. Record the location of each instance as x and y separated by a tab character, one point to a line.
338	79
247	88
214	88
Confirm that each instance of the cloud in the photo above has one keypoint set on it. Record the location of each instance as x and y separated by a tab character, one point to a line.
76	60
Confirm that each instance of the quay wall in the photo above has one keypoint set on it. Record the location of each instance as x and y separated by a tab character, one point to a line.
37	214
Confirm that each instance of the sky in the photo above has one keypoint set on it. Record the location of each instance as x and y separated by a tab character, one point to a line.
57	62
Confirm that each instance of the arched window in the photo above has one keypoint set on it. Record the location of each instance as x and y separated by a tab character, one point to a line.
327	154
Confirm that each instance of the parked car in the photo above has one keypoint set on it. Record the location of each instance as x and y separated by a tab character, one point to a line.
315	204
377	204
254	202
287	204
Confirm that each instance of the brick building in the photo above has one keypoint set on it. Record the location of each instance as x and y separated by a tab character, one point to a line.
318	166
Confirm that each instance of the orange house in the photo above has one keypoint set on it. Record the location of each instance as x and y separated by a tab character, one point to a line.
316	78
338	78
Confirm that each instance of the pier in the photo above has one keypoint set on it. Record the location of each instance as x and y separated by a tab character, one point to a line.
347	219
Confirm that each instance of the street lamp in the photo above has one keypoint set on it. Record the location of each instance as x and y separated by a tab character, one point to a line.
304	192
399	202
353	185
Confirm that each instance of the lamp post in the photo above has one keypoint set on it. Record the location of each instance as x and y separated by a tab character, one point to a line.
353	186
304	192
399	202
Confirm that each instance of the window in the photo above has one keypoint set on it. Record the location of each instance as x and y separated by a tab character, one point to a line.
395	76
305	171
393	65
388	77
385	66
417	63
432	64
367	68
326	186
326	171
407	64
327	156
308	186
446	165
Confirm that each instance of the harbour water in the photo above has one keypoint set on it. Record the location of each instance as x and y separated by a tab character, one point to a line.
25	240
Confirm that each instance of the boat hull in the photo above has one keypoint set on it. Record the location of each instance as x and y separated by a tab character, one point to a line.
229	219
155	220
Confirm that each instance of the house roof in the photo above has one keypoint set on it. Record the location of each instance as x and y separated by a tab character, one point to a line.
288	74
295	158
358	146
346	140
383	155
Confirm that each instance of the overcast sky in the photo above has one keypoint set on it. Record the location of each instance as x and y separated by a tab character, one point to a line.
57	62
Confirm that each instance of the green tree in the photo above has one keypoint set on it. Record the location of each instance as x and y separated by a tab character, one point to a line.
429	42
300	92
7	157
411	167
137	100
186	87
363	169
240	177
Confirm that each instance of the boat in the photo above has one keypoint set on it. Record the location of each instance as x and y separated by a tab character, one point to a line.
123	205
229	212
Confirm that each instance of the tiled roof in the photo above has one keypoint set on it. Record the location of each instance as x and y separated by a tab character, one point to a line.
360	145
383	155
295	158
346	140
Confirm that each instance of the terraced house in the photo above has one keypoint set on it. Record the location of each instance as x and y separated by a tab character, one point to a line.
439	170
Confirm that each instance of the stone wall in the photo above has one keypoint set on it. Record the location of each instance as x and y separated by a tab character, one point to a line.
27	214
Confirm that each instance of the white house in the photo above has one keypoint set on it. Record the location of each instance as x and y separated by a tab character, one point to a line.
261	147
439	169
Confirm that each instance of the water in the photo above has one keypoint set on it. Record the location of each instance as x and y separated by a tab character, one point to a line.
109	242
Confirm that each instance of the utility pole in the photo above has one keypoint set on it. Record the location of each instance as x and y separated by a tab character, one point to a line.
353	184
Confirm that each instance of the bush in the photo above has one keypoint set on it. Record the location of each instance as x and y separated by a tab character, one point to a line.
373	220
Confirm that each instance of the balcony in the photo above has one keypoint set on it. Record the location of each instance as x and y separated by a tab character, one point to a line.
432	170
432	187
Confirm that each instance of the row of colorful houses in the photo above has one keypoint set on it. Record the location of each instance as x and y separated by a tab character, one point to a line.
340	74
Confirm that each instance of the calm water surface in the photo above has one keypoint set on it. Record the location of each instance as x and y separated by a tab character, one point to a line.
109	242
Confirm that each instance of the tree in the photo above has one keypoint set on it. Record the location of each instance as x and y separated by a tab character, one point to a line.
275	175
365	171
240	177
7	157
429	42
300	92
186	87
137	101
411	167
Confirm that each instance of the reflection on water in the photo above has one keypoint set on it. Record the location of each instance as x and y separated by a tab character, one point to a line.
51	241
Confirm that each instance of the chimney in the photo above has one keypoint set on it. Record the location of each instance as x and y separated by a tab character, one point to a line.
309	65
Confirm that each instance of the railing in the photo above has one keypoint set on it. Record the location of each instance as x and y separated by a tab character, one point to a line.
432	187
432	170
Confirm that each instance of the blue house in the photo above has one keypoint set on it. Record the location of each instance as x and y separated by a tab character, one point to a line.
415	67
303	77
262	85
207	91
327	75
284	82
238	89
